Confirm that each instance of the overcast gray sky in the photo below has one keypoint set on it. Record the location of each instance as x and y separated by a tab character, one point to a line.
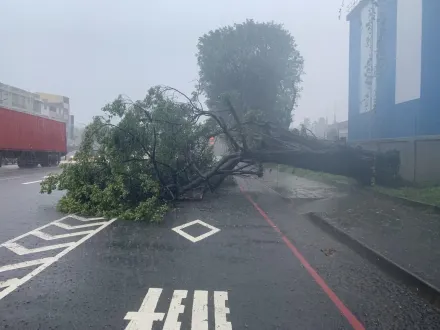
93	50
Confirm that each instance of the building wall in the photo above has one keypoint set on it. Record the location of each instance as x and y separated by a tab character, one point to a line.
59	105
58	102
52	106
419	157
19	99
404	45
406	111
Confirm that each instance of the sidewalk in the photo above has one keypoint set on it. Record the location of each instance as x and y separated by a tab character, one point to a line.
407	236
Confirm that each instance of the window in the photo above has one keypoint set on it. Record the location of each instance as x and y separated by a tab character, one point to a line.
52	108
18	101
14	100
37	107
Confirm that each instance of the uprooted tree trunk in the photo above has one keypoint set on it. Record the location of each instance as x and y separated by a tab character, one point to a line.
295	149
367	167
251	143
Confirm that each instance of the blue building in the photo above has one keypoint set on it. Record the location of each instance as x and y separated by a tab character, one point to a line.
394	81
394	75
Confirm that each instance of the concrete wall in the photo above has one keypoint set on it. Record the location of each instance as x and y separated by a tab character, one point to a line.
419	158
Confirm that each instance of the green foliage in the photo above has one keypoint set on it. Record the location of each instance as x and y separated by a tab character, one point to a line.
429	195
257	65
130	161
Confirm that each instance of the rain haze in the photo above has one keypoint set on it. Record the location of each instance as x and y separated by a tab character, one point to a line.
241	214
91	51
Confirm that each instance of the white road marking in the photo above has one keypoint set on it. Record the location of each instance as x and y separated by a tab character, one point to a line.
69	227
147	315
9	282
199	319
21	250
220	311
85	219
144	318
37	181
193	239
25	264
48	237
30	182
44	262
176	308
39	228
22	176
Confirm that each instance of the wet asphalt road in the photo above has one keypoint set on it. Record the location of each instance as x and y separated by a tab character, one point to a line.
22	207
264	267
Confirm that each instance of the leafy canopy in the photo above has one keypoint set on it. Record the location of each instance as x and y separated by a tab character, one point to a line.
257	65
134	159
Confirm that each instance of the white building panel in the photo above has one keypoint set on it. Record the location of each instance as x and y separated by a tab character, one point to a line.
408	50
368	58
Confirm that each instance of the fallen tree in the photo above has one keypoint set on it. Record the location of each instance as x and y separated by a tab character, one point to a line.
139	156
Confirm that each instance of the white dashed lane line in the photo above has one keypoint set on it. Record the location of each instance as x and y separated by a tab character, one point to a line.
36	181
30	182
12	283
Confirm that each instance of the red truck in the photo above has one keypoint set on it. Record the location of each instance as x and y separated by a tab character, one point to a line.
31	139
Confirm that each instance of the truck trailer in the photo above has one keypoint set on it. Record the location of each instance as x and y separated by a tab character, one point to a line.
31	139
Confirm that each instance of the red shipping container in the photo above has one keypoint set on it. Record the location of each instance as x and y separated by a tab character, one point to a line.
21	131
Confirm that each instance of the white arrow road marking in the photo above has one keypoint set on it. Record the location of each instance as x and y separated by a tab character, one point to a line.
21	250
12	284
25	264
9	282
69	227
145	318
49	237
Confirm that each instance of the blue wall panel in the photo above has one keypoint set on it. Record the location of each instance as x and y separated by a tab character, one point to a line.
429	119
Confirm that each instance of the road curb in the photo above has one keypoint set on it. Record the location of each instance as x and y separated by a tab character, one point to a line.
422	288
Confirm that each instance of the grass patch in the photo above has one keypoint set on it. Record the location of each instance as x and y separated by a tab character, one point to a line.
313	175
427	195
322	176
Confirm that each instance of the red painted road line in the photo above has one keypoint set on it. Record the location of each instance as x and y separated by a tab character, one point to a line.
318	279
